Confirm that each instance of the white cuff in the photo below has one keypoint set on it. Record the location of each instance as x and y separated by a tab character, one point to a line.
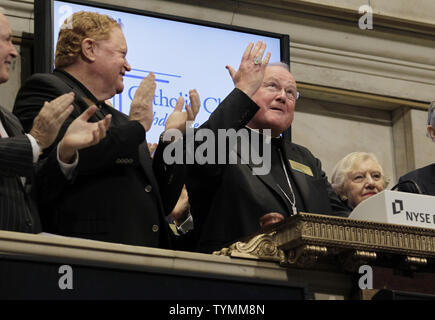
36	149
67	168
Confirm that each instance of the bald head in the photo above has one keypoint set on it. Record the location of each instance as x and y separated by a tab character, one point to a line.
279	64
276	98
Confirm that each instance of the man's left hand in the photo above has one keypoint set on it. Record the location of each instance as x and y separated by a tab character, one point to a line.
178	118
82	134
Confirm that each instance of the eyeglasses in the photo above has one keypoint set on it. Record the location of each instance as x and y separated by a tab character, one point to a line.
275	88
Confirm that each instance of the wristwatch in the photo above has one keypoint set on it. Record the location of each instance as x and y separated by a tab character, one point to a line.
186	225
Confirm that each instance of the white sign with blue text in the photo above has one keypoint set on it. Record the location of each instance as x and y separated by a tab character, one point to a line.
397	207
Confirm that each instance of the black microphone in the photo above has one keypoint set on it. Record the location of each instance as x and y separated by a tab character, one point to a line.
406	182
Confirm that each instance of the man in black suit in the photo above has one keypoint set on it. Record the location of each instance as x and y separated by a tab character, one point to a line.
228	201
19	152
422	180
118	194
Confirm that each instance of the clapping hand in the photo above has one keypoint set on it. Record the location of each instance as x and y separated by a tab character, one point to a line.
141	108
82	134
48	122
179	118
251	70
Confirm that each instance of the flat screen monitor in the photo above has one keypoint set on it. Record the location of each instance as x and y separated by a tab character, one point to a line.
183	53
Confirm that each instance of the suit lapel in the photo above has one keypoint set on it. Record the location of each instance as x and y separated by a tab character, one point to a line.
13	127
82	99
11	124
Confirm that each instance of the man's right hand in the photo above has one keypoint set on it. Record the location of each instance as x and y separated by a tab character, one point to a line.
270	218
178	118
141	108
48	122
82	134
181	209
250	74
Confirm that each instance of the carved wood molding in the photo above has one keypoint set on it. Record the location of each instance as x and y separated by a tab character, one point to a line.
260	247
311	240
359	235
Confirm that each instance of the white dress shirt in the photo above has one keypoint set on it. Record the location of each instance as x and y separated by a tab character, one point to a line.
66	168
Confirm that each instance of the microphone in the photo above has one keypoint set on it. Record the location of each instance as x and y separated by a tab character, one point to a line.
408	182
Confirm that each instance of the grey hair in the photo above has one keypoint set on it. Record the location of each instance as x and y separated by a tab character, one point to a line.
279	64
345	166
2	10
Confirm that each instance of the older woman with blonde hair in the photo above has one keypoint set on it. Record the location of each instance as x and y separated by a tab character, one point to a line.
357	177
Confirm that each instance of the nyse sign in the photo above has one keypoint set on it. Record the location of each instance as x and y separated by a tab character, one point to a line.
412	210
399	208
420	217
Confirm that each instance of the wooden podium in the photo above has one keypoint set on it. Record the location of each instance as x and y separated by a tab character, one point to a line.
304	257
401	257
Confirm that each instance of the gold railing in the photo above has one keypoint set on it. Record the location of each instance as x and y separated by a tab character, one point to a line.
320	241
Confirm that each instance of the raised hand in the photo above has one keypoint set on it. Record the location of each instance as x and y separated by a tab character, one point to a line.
82	134
178	118
50	119
250	74
141	108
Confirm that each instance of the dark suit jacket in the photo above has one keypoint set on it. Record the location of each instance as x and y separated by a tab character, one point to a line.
227	201
17	209
115	195
424	177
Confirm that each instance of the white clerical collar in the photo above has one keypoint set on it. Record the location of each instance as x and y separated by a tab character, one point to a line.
267	138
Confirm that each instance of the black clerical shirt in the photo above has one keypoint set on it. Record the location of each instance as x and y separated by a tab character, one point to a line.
278	174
